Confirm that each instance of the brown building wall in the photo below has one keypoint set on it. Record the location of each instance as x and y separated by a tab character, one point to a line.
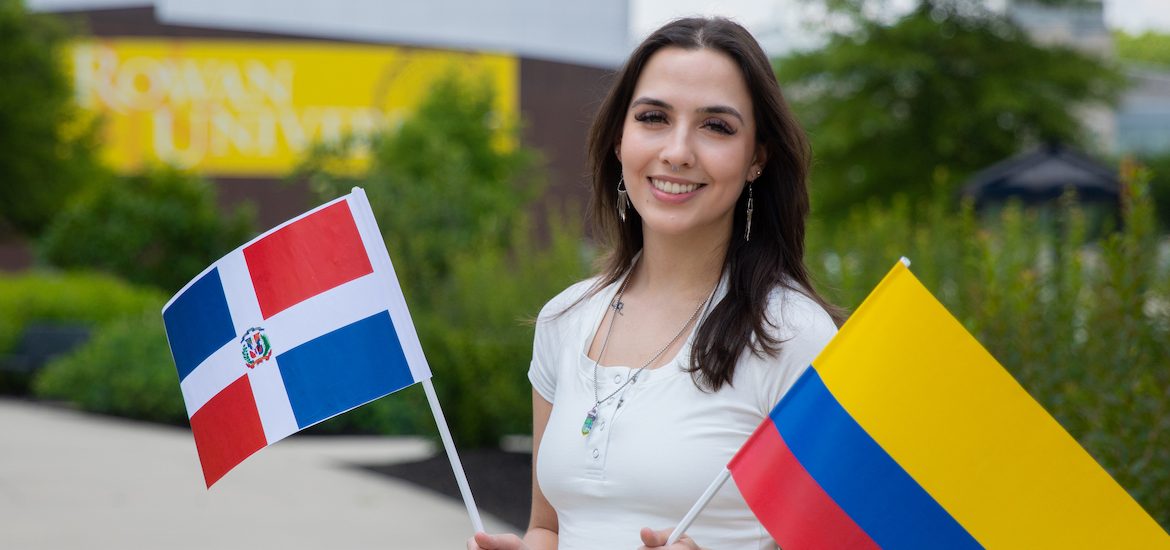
558	102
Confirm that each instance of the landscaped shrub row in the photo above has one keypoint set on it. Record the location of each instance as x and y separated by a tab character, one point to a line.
1083	324
43	315
125	369
78	298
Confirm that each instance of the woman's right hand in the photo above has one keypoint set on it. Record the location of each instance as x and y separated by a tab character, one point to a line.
542	527
484	541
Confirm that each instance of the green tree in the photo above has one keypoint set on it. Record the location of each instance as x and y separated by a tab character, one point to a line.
46	143
947	89
1148	48
452	193
159	228
441	183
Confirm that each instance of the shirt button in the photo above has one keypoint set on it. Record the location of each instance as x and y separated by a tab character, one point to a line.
617	379
596	453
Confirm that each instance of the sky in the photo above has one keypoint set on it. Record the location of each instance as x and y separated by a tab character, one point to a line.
778	24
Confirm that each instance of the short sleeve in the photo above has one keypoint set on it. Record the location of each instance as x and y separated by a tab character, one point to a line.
541	372
804	328
559	317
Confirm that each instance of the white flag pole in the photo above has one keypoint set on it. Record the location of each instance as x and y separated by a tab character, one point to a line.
453	456
410	344
688	519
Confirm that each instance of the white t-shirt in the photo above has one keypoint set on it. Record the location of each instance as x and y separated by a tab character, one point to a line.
646	463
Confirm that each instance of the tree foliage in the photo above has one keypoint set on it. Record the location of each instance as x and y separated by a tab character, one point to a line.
440	183
1149	48
1159	166
452	195
158	228
947	89
46	144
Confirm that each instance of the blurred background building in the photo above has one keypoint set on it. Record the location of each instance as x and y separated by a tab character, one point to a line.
238	91
1140	123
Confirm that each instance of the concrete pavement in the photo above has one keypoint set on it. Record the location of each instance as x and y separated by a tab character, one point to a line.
76	480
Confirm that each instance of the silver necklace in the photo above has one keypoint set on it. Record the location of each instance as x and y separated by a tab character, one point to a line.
617	305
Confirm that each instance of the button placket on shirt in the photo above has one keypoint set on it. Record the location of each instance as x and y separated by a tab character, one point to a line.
599	438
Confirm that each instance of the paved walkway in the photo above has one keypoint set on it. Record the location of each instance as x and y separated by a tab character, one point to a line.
74	480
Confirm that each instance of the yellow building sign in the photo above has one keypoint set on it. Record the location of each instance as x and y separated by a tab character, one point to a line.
252	108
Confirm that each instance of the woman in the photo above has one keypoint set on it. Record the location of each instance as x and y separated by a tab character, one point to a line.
648	377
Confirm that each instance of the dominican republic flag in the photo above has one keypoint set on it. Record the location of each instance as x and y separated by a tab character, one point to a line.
303	323
906	433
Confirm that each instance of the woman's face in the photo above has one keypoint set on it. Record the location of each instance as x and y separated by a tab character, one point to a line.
690	110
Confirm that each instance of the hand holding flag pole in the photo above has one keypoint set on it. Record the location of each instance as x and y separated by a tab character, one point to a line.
688	519
906	433
303	323
720	479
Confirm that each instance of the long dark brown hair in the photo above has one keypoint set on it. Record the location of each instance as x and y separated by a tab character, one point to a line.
774	257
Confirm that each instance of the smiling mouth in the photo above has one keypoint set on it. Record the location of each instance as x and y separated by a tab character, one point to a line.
674	188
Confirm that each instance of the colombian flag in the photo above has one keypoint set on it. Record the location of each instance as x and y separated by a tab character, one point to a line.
301	324
906	433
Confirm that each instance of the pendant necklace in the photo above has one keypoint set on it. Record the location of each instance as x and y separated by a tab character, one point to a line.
617	306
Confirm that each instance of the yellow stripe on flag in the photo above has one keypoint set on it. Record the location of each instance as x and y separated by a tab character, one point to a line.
962	427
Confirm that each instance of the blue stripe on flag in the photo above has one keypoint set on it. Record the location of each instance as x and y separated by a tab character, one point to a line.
340	370
859	475
198	322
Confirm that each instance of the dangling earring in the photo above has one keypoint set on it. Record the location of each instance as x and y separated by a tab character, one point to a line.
623	200
747	232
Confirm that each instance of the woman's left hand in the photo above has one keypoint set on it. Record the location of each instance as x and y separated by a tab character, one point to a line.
657	539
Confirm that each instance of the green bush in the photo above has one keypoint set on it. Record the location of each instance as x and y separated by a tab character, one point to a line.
478	341
439	184
67	298
126	370
1084	325
1159	164
158	228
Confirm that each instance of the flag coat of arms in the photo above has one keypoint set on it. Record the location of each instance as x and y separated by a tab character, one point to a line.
906	433
303	323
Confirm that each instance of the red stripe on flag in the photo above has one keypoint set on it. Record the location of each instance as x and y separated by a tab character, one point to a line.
305	258
794	509
227	430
